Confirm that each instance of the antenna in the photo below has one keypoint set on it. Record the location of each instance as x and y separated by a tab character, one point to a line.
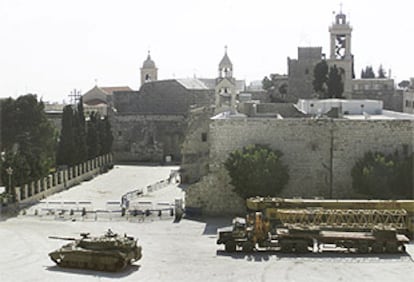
74	96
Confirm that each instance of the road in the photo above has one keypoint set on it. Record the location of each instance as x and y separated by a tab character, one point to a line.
183	251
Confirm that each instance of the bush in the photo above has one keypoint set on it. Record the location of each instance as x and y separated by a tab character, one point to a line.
257	170
384	176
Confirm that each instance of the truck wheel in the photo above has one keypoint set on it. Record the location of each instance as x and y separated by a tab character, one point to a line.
248	247
230	246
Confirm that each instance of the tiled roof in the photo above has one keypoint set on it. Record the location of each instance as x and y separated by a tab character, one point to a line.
102	94
110	90
163	97
192	83
96	93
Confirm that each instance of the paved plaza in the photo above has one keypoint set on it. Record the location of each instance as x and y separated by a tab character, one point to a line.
183	251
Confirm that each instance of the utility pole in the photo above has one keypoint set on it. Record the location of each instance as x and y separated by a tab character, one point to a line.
331	152
74	96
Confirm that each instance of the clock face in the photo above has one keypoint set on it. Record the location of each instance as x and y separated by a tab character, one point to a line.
340	45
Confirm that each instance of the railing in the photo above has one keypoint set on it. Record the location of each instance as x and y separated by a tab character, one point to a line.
61	180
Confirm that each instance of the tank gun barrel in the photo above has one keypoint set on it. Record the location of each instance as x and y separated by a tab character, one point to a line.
62	238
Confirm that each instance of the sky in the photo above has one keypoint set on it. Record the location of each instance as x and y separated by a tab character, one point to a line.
50	47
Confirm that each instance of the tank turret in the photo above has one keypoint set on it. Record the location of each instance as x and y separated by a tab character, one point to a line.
109	252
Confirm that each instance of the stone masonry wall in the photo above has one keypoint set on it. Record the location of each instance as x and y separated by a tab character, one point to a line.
147	138
316	151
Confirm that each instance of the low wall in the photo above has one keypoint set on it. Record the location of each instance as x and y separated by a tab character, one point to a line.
61	180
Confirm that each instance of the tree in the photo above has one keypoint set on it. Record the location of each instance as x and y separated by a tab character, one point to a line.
381	72
66	154
404	84
257	170
368	72
93	136
80	133
28	139
320	77
267	83
334	83
107	138
384	176
81	140
276	87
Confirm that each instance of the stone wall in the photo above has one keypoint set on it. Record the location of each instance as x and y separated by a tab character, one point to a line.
408	101
195	148
149	125
147	138
320	154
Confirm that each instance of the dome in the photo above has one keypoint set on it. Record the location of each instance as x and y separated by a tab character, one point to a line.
148	63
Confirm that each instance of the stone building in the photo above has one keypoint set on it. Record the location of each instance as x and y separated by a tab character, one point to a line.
225	88
378	89
99	99
149	125
340	51
300	70
320	149
149	71
408	102
54	112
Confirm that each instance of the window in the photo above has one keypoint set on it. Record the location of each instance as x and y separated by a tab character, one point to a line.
407	103
306	71
119	133
204	137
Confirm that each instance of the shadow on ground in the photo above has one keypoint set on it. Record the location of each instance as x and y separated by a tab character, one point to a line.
317	257
126	272
212	223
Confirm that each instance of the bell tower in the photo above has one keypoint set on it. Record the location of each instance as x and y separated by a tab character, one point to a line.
340	50
149	71
225	90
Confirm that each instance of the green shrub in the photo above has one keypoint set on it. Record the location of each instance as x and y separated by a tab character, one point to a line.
257	170
384	176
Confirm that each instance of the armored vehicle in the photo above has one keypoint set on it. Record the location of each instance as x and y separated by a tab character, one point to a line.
109	252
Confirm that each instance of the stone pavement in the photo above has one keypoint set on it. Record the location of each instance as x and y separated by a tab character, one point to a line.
184	251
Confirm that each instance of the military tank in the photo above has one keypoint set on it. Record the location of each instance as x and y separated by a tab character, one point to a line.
109	252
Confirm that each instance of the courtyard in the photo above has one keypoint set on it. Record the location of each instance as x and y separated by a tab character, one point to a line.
172	251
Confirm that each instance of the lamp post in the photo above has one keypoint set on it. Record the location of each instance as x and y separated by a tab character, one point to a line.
9	171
